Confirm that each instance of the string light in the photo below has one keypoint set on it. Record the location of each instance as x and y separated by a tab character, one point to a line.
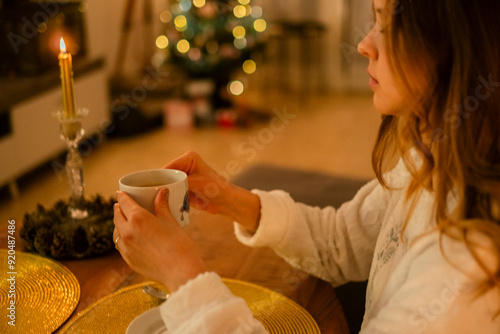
180	22
195	38
194	54
249	66
240	43
185	5
260	25
199	3
236	87
256	12
239	32
162	42
183	46
240	11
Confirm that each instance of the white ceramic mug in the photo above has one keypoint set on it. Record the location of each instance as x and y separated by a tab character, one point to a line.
143	186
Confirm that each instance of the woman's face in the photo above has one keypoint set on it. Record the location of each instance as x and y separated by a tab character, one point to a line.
386	97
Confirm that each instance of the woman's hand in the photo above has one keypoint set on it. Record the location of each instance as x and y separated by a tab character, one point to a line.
155	245
210	191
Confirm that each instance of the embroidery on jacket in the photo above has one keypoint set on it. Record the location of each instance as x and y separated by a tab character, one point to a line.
392	243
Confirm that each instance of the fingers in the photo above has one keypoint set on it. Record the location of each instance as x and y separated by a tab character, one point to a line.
119	219
127	214
162	208
188	162
126	204
119	215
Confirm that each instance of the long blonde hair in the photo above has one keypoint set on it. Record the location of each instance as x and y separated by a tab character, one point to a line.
445	55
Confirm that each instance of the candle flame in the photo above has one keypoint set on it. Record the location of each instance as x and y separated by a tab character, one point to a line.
62	46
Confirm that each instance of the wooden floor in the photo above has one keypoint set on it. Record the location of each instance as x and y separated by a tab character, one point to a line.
325	133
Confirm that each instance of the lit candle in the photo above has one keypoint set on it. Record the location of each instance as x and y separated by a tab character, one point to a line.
67	81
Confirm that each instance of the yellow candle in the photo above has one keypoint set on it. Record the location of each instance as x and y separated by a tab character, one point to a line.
67	81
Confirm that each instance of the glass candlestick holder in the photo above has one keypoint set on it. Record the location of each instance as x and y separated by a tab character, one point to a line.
71	133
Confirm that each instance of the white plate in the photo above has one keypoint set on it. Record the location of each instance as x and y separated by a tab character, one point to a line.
149	322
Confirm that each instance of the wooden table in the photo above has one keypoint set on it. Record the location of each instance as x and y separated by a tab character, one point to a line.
101	276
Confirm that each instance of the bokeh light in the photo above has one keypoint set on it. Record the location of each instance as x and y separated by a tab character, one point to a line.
260	25
194	54
249	66
185	5
239	11
161	42
256	12
240	43
235	87
180	23
239	32
199	3
183	46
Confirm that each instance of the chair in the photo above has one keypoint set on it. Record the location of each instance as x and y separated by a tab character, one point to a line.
294	50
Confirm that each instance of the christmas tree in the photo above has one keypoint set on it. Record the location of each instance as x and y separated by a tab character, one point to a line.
212	38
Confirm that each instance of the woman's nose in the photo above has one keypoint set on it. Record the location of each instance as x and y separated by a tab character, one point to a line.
367	48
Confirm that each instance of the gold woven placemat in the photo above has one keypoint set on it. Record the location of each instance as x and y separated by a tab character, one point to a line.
113	313
45	293
276	312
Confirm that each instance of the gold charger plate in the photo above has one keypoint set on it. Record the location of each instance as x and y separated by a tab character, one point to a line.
46	293
113	313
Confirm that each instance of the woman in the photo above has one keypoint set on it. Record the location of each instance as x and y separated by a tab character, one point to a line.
426	233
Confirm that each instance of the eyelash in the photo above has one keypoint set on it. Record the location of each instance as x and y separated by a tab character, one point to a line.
381	29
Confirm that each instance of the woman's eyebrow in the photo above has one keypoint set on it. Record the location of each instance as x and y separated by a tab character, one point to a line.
379	12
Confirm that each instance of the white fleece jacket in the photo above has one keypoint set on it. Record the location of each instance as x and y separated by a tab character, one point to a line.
412	287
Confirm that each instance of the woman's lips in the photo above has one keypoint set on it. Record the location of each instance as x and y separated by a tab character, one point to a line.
373	83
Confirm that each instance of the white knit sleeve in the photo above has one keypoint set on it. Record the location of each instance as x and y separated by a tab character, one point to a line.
333	244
